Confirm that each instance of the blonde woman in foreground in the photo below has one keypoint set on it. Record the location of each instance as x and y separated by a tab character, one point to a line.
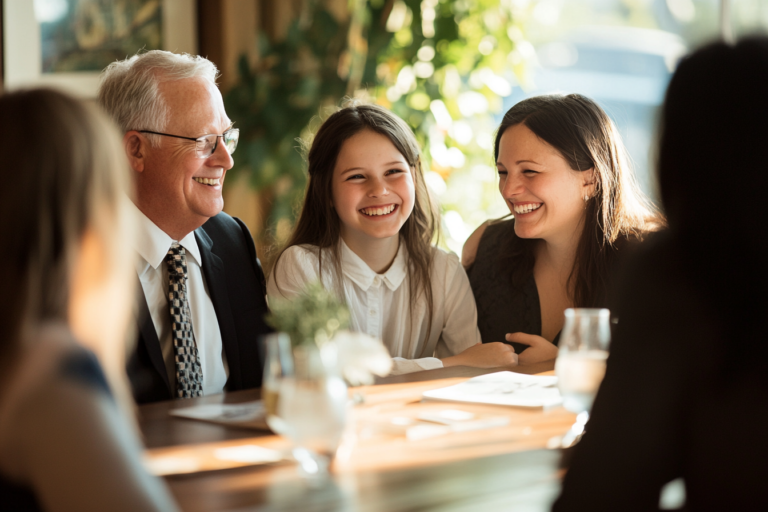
67	441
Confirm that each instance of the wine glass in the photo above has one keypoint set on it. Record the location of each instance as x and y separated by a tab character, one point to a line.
279	365
313	408
580	364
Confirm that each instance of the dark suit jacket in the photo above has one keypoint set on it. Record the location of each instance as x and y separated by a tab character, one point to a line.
236	285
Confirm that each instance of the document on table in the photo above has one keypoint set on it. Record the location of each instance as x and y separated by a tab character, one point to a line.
246	414
503	388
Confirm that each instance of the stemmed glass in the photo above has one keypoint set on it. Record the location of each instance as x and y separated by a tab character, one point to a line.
580	364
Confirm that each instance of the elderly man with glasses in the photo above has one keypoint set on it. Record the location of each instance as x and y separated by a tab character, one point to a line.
203	303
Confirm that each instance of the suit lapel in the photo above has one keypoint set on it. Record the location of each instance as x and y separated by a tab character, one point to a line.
151	341
215	278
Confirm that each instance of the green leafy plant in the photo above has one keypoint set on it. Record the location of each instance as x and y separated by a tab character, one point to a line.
312	317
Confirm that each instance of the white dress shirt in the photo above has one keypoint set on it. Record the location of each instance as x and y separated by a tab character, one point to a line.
152	244
380	304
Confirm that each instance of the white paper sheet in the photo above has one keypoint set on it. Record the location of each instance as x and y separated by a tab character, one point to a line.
503	388
246	414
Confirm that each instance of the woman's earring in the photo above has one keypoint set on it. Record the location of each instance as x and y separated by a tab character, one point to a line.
586	198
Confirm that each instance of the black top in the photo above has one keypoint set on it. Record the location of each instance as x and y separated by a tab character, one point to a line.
235	282
79	366
669	407
503	307
17	498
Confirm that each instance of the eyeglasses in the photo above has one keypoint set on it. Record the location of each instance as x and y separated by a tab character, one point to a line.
206	145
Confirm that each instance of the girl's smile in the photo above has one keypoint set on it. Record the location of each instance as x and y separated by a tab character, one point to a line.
379	211
373	191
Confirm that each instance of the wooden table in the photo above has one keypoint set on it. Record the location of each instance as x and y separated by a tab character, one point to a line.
504	468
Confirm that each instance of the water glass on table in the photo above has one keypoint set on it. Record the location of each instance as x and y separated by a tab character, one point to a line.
279	365
313	408
580	364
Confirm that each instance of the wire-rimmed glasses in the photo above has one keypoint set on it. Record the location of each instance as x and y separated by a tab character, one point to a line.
206	145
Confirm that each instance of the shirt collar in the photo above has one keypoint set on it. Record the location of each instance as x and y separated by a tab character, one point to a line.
361	274
152	243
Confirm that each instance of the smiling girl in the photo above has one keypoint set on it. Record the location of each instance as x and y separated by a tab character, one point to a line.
565	177
365	231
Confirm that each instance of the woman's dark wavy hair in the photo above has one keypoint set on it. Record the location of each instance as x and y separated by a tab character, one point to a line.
617	211
713	175
319	224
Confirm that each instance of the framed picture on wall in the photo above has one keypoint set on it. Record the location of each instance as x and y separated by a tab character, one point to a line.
66	43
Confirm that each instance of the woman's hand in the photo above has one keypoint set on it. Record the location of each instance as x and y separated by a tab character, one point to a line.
540	349
484	355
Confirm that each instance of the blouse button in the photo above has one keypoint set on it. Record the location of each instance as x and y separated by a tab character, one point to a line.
373	312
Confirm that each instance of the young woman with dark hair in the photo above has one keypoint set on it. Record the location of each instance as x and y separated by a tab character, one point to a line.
366	230
685	393
565	177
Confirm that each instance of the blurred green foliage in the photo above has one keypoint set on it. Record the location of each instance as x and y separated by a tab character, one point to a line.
441	65
273	102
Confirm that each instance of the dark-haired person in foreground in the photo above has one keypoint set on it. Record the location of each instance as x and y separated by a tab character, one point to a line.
686	389
203	288
67	439
565	177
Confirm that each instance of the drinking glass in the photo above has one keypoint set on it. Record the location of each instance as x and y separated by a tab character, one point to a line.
580	364
279	365
313	408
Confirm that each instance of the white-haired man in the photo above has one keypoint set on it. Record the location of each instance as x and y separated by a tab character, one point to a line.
203	286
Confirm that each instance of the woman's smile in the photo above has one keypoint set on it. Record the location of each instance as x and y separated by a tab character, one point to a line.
542	191
525	208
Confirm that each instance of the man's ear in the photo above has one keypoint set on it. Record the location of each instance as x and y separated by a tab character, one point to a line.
135	149
588	182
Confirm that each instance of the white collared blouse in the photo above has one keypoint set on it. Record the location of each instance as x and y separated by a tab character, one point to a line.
380	304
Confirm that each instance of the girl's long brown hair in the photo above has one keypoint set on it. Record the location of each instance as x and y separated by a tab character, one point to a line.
617	212
319	224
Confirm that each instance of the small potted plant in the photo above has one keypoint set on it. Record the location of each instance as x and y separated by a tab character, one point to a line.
316	317
304	394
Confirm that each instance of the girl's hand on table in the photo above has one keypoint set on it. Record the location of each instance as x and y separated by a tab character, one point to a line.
484	355
539	348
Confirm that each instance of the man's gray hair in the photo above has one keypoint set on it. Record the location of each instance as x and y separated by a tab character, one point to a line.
129	91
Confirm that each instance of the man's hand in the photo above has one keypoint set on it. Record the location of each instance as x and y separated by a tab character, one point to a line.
484	355
540	349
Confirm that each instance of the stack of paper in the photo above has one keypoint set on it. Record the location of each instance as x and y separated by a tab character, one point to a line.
503	388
